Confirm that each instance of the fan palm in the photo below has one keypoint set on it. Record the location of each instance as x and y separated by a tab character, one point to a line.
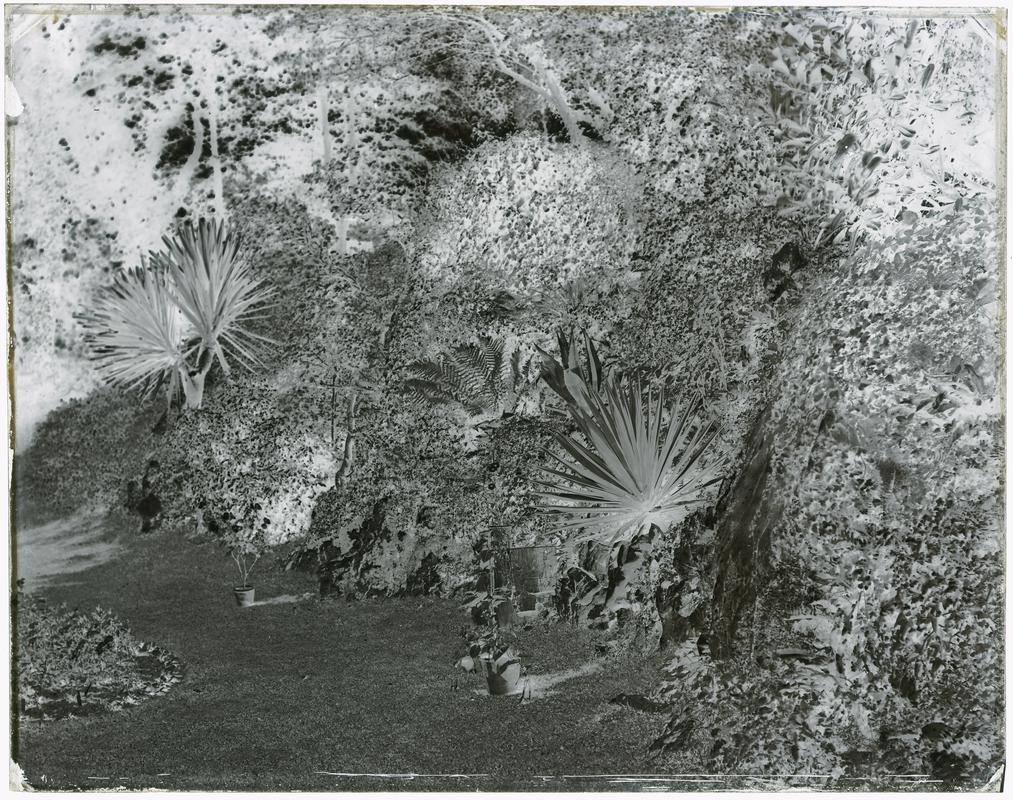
638	468
170	322
135	331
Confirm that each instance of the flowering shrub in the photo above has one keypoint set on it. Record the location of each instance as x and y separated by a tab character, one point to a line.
526	217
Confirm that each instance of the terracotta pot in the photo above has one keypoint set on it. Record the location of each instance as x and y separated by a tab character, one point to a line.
244	595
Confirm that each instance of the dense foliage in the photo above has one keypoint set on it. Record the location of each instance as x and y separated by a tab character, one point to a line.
441	197
74	662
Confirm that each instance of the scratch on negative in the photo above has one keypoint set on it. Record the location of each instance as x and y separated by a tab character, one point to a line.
405	775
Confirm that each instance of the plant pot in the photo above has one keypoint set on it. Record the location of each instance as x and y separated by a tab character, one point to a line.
244	595
502	675
505	614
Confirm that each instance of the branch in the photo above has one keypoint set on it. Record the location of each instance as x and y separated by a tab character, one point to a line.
495	38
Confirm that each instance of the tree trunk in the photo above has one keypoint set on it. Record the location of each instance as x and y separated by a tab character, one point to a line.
323	109
747	515
563	108
351	137
342	235
186	174
193	387
216	160
348	454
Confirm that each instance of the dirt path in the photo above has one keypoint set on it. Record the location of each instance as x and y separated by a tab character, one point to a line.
64	547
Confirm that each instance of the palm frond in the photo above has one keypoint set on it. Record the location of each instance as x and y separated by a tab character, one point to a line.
216	291
136	333
640	463
169	320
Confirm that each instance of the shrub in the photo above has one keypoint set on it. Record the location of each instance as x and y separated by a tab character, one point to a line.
888	465
73	662
81	455
260	456
525	217
880	121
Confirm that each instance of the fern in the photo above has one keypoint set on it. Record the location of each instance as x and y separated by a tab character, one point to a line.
470	375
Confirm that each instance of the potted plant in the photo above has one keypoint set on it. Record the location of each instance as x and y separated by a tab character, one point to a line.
490	648
491	651
500	665
244	544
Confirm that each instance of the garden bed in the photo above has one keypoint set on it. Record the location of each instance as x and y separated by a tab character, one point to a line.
74	664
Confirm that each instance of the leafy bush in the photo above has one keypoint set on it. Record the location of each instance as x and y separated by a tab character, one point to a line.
421	488
81	455
259	456
525	217
74	662
888	465
880	121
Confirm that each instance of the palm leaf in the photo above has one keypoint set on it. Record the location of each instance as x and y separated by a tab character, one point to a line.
193	305
216	291
636	466
136	333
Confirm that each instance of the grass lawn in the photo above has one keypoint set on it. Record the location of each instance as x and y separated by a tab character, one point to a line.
275	696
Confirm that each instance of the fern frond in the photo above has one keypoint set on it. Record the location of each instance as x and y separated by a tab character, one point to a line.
430	371
471	375
470	361
492	356
428	391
